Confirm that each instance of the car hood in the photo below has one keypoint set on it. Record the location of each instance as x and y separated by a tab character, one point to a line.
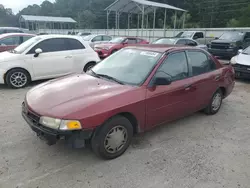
243	59
7	56
64	96
222	41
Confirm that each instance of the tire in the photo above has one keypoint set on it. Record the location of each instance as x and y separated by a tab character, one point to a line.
21	77
113	127
114	51
89	66
213	108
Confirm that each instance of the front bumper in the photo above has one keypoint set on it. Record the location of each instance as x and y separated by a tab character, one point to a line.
2	74
223	52
242	71
103	53
75	139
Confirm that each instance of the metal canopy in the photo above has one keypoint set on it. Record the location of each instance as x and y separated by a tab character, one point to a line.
140	7
47	19
133	6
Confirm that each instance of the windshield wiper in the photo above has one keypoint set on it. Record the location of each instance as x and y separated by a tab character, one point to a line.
110	78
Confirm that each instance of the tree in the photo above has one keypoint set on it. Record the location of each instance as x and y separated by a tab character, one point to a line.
7	18
86	19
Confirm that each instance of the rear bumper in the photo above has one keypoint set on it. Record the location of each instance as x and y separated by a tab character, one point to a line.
75	139
223	52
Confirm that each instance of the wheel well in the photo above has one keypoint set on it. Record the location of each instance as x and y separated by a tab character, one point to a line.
223	91
14	69
132	120
91	62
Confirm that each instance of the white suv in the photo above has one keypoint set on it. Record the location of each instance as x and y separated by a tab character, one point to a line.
45	57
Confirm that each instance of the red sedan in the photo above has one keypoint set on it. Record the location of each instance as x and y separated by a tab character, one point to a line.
106	106
106	49
10	41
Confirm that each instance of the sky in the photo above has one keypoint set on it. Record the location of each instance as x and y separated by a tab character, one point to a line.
17	5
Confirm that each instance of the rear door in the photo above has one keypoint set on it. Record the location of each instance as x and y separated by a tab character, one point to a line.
205	77
9	43
166	103
79	53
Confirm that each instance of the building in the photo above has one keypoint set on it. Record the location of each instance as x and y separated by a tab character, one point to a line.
46	22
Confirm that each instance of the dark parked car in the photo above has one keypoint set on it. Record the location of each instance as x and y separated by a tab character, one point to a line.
12	40
228	44
134	90
10	30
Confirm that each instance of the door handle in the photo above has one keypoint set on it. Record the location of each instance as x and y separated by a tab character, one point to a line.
217	77
187	87
70	56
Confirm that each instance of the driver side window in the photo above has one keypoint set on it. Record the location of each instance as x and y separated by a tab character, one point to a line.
175	66
50	45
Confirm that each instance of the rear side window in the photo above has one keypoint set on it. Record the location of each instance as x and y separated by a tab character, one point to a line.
181	41
131	41
97	39
74	44
50	45
200	62
175	66
10	41
26	38
106	38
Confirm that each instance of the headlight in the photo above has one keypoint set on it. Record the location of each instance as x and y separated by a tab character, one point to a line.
233	60
70	125
107	48
54	123
232	45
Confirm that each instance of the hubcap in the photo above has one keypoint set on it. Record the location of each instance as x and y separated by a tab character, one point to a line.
115	139
18	79
216	102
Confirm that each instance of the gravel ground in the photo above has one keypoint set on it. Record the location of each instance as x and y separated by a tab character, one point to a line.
195	152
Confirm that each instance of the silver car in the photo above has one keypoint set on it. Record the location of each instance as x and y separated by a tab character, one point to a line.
97	39
241	63
180	41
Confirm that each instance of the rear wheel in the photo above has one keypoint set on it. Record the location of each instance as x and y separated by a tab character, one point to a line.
17	78
215	103
89	66
113	138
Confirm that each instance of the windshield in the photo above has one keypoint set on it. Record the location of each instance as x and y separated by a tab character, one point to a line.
117	40
165	41
21	48
187	34
128	66
88	37
246	51
232	36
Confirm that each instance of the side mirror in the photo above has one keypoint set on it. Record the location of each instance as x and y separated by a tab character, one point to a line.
37	52
216	38
162	81
124	43
240	51
195	37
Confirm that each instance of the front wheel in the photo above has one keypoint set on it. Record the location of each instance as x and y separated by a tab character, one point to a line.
17	78
89	66
215	103
113	138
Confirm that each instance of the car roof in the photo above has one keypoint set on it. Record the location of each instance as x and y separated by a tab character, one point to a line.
60	36
161	48
10	28
15	34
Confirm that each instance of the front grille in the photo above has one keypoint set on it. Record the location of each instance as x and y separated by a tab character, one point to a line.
31	115
246	67
220	45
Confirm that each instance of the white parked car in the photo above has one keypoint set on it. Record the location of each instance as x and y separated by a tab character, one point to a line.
97	39
45	57
241	63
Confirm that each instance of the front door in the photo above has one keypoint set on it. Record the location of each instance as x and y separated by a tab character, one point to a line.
55	59
166	103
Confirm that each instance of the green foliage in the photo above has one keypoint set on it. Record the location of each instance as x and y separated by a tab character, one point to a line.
91	14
